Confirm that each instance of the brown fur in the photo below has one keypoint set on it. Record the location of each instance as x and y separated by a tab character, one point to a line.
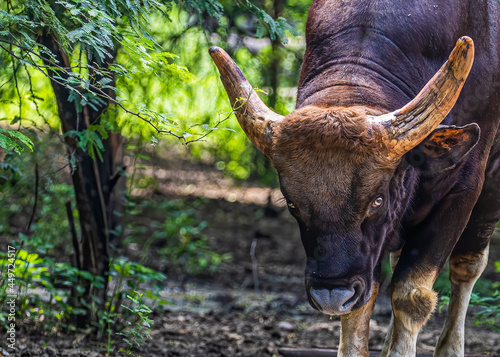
413	300
355	329
467	268
326	128
319	152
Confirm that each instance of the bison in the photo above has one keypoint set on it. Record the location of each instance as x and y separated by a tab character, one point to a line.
381	155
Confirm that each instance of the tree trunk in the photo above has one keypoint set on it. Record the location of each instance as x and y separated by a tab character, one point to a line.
277	11
273	80
93	181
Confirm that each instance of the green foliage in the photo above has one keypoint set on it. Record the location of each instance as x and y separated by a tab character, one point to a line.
202	103
104	41
53	310
51	292
9	174
212	8
147	58
51	227
489	313
276	28
90	33
487	298
179	238
133	273
444	300
118	61
63	289
139	328
91	139
17	195
129	320
14	140
129	58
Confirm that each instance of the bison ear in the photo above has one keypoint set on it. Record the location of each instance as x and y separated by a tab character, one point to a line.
444	148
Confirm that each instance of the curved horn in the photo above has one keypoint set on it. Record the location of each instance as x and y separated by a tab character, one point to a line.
404	129
255	118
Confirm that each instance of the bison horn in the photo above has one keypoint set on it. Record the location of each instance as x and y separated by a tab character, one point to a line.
405	128
255	118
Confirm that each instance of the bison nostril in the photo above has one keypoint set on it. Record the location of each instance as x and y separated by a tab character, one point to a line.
357	290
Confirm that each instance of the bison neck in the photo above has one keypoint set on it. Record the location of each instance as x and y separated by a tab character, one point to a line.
360	66
376	53
347	94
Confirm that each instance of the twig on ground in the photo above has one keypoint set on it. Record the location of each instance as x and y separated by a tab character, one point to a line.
255	266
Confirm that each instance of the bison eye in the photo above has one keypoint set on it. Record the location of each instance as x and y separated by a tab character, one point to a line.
377	202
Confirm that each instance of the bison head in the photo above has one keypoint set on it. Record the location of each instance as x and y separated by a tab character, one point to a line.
342	174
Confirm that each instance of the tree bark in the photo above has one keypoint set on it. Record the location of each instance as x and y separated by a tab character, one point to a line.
277	11
93	180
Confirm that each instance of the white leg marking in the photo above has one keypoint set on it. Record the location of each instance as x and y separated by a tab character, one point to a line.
387	342
403	340
464	272
394	258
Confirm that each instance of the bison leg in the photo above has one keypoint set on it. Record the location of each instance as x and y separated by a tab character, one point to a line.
394	258
468	260
428	245
465	269
413	301
355	329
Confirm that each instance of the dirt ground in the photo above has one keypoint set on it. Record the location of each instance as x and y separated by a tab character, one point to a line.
254	304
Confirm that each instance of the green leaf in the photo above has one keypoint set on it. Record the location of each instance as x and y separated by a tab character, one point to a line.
14	140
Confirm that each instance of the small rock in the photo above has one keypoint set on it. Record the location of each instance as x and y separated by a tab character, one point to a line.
286	326
234	336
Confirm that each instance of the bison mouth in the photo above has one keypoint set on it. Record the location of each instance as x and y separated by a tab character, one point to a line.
331	298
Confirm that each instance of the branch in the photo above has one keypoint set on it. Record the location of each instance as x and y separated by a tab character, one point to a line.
255	266
33	210
74	239
98	91
212	129
16	84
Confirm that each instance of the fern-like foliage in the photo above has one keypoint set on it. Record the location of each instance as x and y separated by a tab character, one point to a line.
14	140
275	28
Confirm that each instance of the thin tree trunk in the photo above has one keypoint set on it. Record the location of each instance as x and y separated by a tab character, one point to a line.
277	11
93	181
